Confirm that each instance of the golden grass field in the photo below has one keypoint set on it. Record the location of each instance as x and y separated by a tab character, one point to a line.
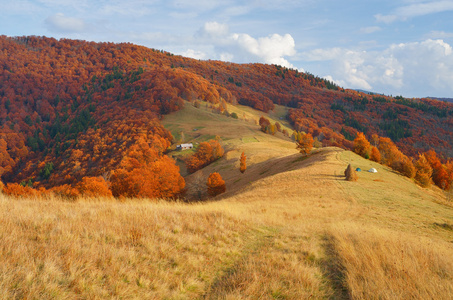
290	227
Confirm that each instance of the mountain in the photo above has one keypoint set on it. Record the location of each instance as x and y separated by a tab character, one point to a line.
73	111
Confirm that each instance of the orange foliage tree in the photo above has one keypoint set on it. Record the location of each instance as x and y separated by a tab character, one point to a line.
144	173
243	164
65	191
17	190
207	152
440	175
94	187
375	154
305	143
216	185
361	145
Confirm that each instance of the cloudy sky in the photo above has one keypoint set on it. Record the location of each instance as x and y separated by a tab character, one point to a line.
397	47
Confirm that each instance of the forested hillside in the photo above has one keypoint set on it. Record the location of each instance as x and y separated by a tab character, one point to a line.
74	114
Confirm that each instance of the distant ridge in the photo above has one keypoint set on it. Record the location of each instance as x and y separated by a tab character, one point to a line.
442	99
368	92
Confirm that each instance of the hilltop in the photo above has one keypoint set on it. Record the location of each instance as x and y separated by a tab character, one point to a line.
73	111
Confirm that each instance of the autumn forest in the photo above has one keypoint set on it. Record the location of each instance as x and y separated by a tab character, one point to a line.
84	118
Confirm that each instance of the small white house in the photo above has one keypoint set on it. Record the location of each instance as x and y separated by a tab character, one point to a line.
184	146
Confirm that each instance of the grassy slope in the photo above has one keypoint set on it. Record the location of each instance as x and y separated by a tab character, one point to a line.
288	228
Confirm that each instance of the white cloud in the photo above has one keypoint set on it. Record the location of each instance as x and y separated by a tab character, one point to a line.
368	30
60	23
213	30
386	18
194	54
429	7
242	47
439	35
412	69
416	10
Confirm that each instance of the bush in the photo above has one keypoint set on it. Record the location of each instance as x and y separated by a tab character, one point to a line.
17	190
94	187
65	191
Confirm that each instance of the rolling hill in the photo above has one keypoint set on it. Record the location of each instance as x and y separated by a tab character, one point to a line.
290	227
73	111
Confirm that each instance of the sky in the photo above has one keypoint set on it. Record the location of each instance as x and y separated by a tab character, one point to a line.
397	47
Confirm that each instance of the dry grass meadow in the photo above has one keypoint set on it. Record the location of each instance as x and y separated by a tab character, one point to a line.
290	227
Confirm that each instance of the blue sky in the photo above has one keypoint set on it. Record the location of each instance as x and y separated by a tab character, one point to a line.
392	47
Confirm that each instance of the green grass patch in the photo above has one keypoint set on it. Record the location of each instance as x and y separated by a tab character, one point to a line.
205	138
249	139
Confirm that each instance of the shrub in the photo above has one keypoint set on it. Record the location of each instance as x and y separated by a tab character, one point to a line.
17	190
94	187
65	191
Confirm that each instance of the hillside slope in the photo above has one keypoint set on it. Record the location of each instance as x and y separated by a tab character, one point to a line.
296	231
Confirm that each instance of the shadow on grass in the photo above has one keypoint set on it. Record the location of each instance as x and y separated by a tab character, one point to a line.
335	272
